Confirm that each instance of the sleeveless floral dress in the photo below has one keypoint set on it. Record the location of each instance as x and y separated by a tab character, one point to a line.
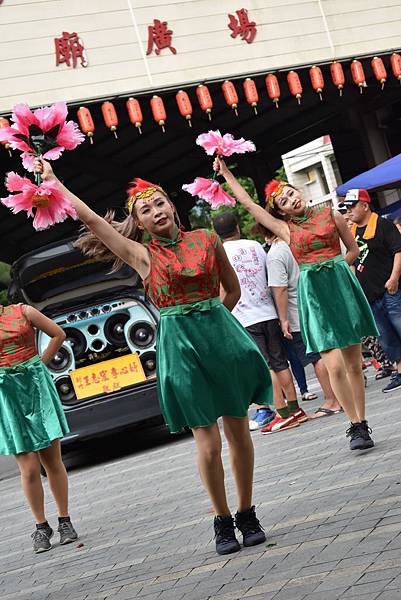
333	310
31	415
207	364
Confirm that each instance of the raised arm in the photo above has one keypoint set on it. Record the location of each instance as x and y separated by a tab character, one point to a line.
279	228
131	252
347	238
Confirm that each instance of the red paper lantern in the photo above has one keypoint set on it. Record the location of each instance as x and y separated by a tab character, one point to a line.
86	122
273	88
379	70
251	93
358	74
337	75
110	117
135	113
230	95
395	61
294	83
5	123
184	105
158	111
317	81
205	99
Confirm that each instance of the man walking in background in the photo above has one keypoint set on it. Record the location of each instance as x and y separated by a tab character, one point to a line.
378	269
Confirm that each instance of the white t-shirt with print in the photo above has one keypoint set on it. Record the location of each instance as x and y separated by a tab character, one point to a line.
249	262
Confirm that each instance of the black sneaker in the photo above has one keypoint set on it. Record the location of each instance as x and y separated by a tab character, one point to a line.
249	526
41	539
359	434
394	384
226	542
67	533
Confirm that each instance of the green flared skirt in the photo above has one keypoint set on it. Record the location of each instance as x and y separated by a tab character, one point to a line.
333	309
31	415
208	366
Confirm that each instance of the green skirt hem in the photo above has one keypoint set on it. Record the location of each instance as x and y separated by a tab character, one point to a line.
201	425
36	448
31	414
333	309
208	366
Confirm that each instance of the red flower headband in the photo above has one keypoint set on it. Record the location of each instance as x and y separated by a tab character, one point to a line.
273	189
139	190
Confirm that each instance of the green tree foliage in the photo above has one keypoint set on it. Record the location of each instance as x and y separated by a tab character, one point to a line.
280	174
201	215
4	281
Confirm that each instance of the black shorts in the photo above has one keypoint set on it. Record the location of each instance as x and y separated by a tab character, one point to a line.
298	347
269	339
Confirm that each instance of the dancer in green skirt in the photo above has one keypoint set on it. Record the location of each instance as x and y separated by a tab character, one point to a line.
208	366
334	312
32	420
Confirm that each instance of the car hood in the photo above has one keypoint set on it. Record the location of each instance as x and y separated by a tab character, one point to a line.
58	275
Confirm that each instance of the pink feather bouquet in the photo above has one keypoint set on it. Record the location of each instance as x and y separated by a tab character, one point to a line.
43	133
222	145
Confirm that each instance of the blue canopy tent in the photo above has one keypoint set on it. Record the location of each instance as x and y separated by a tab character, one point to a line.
385	176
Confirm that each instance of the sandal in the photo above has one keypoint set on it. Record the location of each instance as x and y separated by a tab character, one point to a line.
382	373
327	412
308	396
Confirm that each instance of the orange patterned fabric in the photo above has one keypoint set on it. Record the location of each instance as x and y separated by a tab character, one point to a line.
17	336
183	270
314	237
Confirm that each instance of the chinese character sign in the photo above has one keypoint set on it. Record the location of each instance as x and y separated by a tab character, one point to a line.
159	37
242	26
70	50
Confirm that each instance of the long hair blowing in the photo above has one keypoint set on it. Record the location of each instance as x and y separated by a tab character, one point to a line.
90	245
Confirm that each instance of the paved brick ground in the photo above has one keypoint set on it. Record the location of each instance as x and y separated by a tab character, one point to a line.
333	520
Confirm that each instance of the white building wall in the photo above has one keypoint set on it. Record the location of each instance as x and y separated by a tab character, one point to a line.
289	32
306	167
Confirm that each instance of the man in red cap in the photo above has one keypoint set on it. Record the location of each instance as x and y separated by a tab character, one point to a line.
378	270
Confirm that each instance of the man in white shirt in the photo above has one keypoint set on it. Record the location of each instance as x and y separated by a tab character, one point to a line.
283	273
257	313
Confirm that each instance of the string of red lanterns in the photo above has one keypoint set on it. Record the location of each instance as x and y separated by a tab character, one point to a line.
250	91
230	94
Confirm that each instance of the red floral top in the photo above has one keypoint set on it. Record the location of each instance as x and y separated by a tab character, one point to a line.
17	336
314	237
183	270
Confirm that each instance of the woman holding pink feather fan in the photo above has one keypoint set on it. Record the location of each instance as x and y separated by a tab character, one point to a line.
207	364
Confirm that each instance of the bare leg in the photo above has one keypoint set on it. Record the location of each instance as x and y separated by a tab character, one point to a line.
57	475
29	466
287	384
208	444
240	444
330	401
334	362
278	397
352	359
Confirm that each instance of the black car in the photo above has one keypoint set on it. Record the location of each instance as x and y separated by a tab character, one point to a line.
105	371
